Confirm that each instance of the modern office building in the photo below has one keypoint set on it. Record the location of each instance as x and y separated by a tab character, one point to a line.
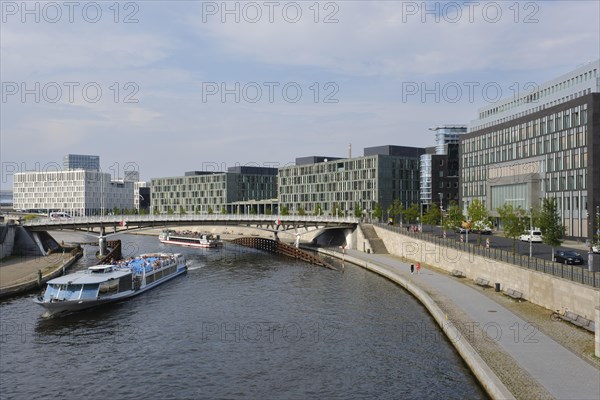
542	144
440	166
382	174
6	198
77	192
203	192
80	161
141	196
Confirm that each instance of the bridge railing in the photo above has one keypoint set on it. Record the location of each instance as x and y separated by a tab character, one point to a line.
159	218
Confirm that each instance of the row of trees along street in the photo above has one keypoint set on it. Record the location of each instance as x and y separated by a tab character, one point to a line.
515	220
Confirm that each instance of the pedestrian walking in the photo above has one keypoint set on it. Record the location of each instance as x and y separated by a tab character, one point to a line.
412	268
418	268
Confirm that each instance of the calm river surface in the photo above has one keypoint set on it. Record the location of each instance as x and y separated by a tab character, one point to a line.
239	324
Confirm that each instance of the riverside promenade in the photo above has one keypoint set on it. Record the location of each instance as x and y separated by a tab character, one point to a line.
513	356
19	275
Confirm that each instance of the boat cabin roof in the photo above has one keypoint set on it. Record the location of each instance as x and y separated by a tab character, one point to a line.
86	278
100	269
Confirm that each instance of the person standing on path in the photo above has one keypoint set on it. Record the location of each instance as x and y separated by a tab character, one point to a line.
412	268
418	268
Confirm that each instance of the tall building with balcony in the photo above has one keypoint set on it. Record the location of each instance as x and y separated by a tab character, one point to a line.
203	192
382	174
440	167
543	144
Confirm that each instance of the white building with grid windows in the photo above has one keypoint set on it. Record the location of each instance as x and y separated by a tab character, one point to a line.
77	192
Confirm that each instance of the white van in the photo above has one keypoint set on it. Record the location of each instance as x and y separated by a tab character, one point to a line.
57	216
535	235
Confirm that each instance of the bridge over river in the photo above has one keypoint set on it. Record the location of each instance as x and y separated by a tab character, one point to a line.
102	225
270	222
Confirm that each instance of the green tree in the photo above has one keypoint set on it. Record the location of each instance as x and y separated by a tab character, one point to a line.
477	215
170	211
513	222
336	210
535	216
433	214
553	231
155	211
181	210
301	211
357	210
197	209
143	211
395	211
252	210
378	212
268	211
285	210
412	213
318	210
223	210
454	217
210	210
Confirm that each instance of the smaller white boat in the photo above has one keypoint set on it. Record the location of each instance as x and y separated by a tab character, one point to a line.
102	284
190	239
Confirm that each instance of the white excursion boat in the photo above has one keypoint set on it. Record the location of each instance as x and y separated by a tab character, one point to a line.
190	239
102	284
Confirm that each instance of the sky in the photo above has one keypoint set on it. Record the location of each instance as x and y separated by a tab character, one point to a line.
166	87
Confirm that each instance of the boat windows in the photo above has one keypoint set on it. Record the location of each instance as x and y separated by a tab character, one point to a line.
90	291
51	292
109	287
125	283
63	292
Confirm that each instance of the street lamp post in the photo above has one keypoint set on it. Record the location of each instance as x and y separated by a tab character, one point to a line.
421	220
530	230
441	208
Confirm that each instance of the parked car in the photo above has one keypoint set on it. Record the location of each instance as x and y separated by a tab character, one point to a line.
535	235
462	230
484	231
596	248
568	257
57	216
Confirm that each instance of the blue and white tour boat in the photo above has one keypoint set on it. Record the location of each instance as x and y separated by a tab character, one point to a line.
102	284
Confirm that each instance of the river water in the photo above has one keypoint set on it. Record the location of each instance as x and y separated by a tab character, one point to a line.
239	324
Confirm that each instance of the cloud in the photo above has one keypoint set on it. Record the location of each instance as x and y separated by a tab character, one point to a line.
384	39
369	53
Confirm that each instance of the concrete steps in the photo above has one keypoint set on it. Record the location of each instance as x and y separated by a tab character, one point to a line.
376	243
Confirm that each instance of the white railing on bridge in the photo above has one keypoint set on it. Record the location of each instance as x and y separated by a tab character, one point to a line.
217	218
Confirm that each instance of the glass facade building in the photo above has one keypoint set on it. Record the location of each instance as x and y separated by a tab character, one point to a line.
81	161
544	144
440	166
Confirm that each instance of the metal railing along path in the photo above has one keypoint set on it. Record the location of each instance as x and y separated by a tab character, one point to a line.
571	272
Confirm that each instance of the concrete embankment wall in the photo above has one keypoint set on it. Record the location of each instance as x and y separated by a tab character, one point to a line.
548	291
35	284
486	377
7	240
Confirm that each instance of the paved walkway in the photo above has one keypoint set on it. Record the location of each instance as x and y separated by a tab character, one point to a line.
562	373
23	269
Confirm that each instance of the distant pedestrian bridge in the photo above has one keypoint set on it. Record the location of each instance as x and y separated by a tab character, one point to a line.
275	223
